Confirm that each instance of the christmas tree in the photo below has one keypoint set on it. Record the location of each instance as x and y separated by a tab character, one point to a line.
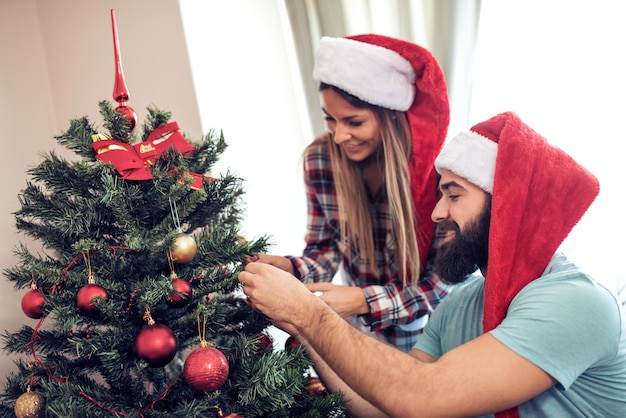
135	290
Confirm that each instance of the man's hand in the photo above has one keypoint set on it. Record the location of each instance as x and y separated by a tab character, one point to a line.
276	293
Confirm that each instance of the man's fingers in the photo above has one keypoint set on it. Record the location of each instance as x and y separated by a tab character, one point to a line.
244	276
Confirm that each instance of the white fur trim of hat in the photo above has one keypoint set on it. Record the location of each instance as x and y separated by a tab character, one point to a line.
471	156
372	73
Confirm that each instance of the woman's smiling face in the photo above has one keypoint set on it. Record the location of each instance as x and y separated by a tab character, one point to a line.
355	130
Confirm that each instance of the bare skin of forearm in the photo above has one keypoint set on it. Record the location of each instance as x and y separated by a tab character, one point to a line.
357	406
321	339
467	381
476	378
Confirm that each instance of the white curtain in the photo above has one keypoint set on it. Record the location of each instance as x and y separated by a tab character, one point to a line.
447	28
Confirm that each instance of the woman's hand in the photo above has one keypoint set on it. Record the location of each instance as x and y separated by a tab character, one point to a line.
345	300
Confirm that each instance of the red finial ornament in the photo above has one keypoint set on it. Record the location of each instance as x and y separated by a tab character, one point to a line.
120	90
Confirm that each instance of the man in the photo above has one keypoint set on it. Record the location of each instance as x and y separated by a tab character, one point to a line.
532	335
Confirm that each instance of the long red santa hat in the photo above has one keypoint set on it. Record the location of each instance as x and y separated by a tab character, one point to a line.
539	193
397	75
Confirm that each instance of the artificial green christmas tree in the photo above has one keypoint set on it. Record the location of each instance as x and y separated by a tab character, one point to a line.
136	292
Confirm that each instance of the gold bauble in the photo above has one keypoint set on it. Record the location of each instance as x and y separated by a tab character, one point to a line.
183	249
30	405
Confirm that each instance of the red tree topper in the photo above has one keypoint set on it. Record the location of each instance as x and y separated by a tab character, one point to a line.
120	90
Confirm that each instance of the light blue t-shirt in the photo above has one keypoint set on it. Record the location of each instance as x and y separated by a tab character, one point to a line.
564	322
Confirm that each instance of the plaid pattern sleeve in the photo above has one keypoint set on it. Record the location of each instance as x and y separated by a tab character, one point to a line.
321	256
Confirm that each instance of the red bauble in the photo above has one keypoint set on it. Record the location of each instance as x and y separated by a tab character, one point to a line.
156	344
205	369
181	294
315	386
130	115
85	296
32	304
291	342
266	342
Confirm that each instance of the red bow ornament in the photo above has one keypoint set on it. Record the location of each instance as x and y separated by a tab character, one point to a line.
133	161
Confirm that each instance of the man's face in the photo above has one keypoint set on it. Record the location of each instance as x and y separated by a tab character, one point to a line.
463	213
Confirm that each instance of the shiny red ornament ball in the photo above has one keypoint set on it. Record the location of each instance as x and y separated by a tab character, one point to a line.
266	342
130	115
291	343
32	304
205	369
156	344
181	294
86	295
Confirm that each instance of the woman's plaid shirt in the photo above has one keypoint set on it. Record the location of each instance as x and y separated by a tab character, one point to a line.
395	310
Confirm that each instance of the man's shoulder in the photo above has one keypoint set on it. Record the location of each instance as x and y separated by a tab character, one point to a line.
569	283
563	271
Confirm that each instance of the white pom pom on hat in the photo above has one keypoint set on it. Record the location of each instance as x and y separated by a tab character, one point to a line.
372	73
471	156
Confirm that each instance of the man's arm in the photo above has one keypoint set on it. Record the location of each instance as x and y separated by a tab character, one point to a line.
357	406
476	378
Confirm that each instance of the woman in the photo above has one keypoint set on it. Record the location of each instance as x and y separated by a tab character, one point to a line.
371	185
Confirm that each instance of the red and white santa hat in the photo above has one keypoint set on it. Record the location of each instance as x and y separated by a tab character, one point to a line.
374	74
538	194
398	75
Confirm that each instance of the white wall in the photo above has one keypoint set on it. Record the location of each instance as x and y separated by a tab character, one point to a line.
27	121
57	63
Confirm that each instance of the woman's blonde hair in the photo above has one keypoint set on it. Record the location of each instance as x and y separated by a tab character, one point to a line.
355	218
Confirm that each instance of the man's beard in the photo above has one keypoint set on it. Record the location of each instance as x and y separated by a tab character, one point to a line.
467	251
